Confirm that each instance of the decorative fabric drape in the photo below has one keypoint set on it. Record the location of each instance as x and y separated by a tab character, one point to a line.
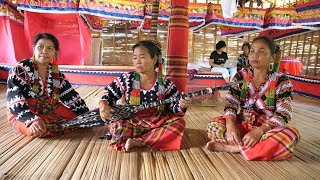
70	29
12	39
308	13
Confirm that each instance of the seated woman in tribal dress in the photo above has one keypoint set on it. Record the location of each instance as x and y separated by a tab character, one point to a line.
38	93
259	131
159	128
243	61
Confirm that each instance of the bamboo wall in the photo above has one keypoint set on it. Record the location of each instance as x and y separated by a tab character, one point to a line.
305	48
116	40
116	49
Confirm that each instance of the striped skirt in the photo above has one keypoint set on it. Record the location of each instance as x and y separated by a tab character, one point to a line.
151	128
276	144
60	112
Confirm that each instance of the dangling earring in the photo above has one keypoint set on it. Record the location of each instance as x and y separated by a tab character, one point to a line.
54	60
271	65
33	58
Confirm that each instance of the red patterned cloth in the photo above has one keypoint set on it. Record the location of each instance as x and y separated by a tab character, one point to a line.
151	128
276	144
251	106
59	113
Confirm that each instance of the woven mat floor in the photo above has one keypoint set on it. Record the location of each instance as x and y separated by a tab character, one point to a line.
81	155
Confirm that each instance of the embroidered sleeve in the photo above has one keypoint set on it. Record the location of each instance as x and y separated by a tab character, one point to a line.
172	92
70	97
16	102
233	98
283	112
115	90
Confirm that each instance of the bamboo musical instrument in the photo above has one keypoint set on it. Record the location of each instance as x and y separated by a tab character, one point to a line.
93	119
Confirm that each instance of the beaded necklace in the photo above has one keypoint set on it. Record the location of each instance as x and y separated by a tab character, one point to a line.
55	79
135	93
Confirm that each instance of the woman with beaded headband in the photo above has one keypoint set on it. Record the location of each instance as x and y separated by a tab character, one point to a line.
158	128
38	93
259	130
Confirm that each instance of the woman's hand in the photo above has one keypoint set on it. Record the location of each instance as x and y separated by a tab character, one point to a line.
184	103
232	133
252	137
38	128
105	110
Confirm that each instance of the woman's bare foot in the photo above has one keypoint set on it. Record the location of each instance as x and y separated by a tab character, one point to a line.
131	143
222	147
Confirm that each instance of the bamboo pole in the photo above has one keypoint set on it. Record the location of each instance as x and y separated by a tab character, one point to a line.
126	56
317	64
215	34
72	167
204	42
227	43
310	46
192	46
290	47
284	47
148	165
114	42
163	171
303	48
295	54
